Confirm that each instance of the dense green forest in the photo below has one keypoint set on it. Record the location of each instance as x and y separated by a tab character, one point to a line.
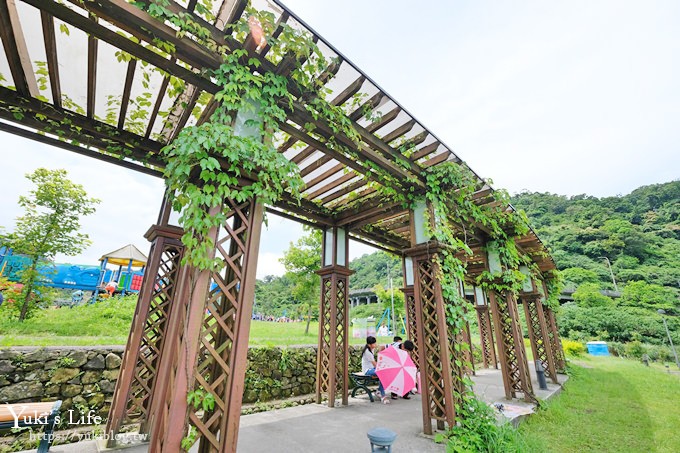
637	234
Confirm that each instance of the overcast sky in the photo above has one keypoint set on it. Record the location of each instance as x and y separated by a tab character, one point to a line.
564	97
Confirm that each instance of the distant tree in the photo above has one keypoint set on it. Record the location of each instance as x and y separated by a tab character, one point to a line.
645	295
588	296
577	276
49	226
301	261
385	297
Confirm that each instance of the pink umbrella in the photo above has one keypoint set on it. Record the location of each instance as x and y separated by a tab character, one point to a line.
396	371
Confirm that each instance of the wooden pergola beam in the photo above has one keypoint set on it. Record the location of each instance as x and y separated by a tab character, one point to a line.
92	51
16	51
125	101
51	52
100	32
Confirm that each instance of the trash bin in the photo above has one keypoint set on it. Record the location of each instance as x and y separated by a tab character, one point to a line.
597	348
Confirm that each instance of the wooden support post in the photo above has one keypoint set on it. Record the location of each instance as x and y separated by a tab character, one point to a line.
139	368
206	350
410	303
538	335
512	355
555	341
486	337
436	357
332	365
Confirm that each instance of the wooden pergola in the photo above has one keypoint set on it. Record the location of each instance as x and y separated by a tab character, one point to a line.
90	77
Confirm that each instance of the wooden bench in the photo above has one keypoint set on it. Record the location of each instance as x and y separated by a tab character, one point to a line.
361	381
20	415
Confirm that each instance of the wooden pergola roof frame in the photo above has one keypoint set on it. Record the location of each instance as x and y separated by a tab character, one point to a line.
188	334
339	191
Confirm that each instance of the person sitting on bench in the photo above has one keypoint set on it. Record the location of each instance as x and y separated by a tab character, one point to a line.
405	346
368	364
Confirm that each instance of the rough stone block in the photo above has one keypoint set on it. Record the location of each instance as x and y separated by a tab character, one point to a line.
62	375
79	357
90	377
20	391
111	375
71	390
95	363
6	366
107	386
113	361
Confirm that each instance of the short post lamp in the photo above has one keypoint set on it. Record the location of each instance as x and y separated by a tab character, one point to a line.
670	340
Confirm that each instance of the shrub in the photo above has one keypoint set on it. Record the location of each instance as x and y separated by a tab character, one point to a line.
635	349
573	348
479	431
617	349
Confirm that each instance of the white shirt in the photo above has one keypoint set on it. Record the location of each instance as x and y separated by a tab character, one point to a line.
367	360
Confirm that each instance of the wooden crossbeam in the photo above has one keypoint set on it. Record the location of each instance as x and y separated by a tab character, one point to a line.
400	131
304	154
384	119
157	106
425	151
324	176
345	190
92	50
369	105
332	185
131	143
51	52
125	101
42	138
100	32
311	168
348	92
16	51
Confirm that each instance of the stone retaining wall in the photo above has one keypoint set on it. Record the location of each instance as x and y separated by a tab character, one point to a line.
84	377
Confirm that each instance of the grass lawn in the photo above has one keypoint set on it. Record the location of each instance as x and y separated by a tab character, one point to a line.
610	405
108	323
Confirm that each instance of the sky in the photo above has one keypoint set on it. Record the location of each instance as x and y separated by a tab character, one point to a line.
562	97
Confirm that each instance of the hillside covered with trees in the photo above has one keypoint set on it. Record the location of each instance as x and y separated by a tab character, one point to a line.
638	233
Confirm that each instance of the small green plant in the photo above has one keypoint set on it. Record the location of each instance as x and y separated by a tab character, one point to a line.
189	440
478	431
284	363
573	348
65	362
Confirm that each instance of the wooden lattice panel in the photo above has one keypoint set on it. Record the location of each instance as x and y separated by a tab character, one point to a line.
511	347
539	343
411	323
139	368
486	337
431	340
341	356
224	308
323	357
555	342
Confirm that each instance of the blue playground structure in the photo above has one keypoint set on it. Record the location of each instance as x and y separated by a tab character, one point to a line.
90	278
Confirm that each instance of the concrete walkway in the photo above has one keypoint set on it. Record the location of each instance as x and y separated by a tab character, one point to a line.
316	428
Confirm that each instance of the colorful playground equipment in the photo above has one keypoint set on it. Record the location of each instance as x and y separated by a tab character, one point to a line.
92	278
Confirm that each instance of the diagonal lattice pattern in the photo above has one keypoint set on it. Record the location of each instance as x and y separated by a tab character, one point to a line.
324	354
412	325
555	342
154	330
431	341
223	310
540	345
513	359
139	368
486	337
340	355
